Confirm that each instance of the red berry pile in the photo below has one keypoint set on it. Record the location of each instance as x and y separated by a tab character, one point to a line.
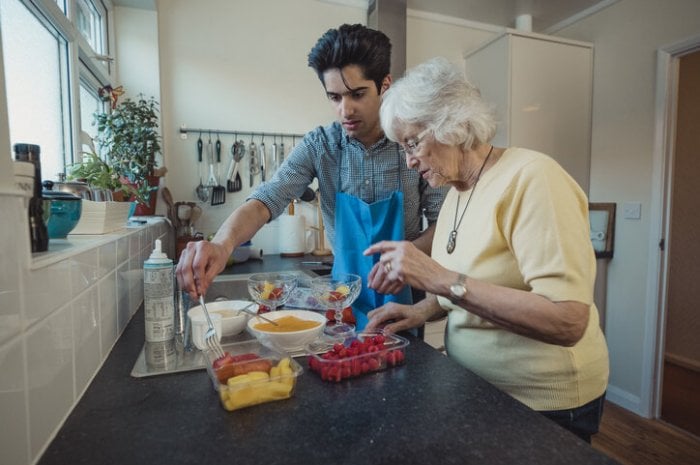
363	355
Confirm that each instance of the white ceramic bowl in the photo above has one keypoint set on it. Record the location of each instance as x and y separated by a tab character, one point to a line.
233	320
291	341
200	326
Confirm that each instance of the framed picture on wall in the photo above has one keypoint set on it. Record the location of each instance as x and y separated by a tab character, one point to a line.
602	220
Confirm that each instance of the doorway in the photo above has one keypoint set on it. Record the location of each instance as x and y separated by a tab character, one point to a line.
680	389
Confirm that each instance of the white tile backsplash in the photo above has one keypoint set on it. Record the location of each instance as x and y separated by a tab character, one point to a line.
108	312
86	337
60	315
14	439
84	272
50	376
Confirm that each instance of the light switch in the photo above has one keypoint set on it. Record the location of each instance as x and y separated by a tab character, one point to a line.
632	210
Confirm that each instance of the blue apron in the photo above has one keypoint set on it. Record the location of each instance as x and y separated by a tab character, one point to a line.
357	226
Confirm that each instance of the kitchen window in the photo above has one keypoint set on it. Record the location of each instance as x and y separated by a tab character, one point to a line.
54	62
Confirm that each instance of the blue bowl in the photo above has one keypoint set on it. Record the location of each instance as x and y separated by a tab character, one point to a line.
61	213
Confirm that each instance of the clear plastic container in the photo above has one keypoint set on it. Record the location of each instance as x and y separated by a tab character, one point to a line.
366	353
254	375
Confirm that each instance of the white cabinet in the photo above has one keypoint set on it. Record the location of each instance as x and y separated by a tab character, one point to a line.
542	88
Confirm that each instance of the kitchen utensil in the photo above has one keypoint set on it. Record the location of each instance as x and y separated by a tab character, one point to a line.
62	212
217	149
218	191
183	212
273	155
263	162
234	183
254	162
211	338
231	167
321	250
172	215
201	190
78	188
194	216
247	310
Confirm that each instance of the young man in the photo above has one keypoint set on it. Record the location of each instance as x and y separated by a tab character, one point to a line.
367	191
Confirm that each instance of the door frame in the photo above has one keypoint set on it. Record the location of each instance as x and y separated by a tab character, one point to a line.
667	70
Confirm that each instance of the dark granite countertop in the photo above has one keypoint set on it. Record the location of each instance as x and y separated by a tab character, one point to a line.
428	411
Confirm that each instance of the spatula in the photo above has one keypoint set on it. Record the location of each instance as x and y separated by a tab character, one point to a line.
202	191
218	192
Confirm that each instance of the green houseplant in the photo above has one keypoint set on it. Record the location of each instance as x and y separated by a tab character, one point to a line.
129	140
96	172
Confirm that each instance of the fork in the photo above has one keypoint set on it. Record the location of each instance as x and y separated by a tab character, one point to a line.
250	312
211	339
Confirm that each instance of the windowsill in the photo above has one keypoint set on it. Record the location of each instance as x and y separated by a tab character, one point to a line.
74	244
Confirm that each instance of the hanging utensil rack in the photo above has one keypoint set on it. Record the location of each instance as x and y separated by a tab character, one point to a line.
184	131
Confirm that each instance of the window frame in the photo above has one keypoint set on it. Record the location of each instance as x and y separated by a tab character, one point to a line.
81	63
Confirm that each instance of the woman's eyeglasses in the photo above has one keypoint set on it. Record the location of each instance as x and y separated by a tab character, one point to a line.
412	146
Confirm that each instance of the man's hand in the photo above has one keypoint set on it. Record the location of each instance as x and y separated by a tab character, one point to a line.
198	265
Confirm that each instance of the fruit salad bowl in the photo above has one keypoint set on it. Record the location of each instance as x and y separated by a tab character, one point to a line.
271	289
336	293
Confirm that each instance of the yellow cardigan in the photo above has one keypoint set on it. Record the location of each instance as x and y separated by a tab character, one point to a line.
526	228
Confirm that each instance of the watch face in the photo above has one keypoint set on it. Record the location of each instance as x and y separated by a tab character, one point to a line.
458	290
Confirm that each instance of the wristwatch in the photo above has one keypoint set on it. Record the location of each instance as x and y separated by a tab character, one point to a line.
459	290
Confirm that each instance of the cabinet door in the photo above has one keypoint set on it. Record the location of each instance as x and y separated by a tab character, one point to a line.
489	70
550	106
542	90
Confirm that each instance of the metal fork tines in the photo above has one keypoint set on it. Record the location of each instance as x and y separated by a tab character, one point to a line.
211	339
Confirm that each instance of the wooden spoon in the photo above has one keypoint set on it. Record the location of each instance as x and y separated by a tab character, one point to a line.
168	198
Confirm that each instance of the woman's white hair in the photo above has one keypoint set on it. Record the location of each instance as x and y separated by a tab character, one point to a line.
436	95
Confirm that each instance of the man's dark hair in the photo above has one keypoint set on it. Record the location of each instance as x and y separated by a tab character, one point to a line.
353	45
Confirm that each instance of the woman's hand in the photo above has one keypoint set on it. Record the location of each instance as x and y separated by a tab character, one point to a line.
198	265
393	317
401	263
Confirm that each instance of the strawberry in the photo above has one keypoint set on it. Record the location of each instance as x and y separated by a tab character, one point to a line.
263	309
335	296
348	317
330	315
226	359
276	293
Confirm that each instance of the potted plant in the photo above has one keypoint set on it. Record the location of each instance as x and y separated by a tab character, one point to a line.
97	174
128	137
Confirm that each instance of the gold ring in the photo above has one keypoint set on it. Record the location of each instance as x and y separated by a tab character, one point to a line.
387	267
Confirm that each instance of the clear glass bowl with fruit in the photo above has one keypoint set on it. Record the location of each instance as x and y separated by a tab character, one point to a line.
271	289
368	352
337	292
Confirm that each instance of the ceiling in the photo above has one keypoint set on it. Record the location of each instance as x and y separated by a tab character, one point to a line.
544	13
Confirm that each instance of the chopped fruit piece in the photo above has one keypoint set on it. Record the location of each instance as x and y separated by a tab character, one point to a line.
343	289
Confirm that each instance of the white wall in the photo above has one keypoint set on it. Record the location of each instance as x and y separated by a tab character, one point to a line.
136	55
239	65
626	37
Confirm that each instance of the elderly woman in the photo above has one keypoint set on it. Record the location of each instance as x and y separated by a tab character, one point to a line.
512	263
